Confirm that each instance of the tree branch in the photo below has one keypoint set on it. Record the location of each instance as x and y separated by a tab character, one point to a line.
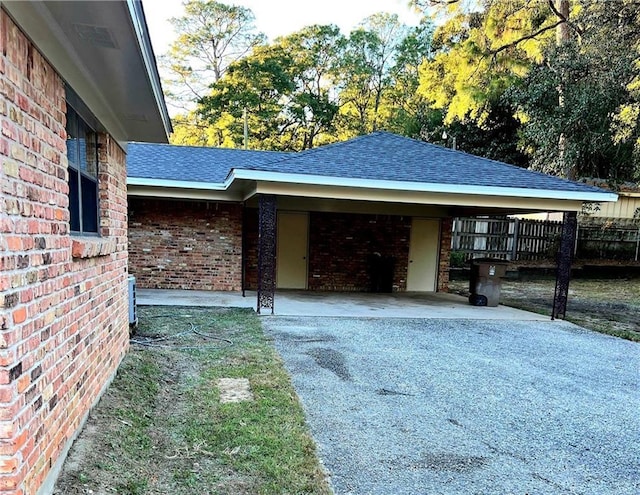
562	20
525	38
559	15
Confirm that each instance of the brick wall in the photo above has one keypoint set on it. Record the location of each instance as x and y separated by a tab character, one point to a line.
185	244
251	248
64	325
444	258
343	247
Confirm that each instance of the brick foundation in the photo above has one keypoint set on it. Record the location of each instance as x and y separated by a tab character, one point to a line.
64	325
185	244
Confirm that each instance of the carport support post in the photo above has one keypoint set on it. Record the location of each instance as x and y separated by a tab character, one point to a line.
266	251
565	257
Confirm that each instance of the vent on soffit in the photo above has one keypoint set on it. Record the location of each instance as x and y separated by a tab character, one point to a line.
96	35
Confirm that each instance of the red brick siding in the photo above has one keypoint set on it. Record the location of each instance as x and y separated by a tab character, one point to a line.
64	326
185	244
446	224
251	248
341	246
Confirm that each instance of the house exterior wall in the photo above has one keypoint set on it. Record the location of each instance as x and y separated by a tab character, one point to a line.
342	248
250	251
444	257
627	207
64	324
198	245
185	244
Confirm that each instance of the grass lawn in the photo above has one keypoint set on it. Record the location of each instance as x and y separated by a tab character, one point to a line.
161	428
607	306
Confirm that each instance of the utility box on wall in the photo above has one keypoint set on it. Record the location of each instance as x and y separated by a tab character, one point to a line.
485	281
133	314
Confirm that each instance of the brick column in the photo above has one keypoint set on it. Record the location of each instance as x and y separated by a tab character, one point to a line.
444	257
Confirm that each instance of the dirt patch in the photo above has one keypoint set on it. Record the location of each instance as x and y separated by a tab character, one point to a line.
605	305
234	390
331	360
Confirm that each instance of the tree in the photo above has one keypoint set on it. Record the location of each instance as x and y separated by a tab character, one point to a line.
408	110
259	83
574	103
211	36
286	89
309	114
571	99
365	73
479	54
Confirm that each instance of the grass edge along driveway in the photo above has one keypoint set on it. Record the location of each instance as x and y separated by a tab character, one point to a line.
161	428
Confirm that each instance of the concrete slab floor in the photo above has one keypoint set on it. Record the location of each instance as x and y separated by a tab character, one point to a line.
341	304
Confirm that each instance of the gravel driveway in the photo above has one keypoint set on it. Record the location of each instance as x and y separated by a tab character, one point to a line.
466	407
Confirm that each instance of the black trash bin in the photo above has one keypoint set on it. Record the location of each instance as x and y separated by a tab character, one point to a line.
485	281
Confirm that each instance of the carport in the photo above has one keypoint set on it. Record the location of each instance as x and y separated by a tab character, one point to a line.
264	220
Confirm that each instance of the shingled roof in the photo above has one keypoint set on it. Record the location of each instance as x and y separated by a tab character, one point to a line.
381	156
192	163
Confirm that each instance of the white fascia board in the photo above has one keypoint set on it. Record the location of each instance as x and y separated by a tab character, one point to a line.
148	58
320	180
177	184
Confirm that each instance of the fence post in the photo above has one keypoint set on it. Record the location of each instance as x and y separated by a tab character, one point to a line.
514	249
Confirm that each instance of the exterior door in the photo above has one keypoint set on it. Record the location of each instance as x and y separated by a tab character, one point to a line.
424	248
292	247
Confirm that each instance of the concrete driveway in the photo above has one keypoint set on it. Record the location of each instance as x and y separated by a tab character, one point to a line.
437	406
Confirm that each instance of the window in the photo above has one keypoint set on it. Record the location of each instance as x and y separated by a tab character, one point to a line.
82	154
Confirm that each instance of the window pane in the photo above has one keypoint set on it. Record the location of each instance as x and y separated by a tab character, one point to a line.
88	149
89	204
72	137
74	200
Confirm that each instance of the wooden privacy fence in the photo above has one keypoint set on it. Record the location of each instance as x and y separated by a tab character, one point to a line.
609	240
517	239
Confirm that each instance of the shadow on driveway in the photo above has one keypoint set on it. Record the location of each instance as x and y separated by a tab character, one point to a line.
415	406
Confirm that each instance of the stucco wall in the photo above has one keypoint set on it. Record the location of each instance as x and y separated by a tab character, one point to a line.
185	244
64	325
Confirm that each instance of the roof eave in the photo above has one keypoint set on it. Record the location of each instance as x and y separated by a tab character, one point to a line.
370	184
257	175
120	85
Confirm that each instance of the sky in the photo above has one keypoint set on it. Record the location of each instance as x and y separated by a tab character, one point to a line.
280	17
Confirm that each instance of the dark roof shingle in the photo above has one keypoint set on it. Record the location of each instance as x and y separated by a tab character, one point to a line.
191	163
377	156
